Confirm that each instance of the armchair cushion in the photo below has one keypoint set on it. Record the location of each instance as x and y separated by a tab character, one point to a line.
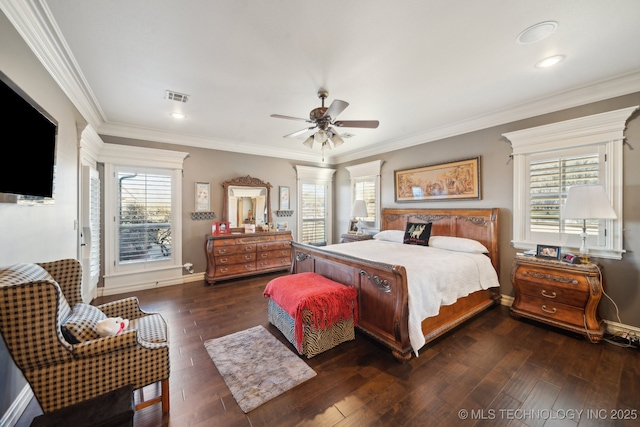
151	328
82	324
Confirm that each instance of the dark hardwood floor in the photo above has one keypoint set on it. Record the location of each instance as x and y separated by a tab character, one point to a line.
493	370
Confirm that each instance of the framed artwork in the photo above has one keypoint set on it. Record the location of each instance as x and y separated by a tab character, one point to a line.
284	198
203	197
353	226
272	226
282	225
548	252
444	181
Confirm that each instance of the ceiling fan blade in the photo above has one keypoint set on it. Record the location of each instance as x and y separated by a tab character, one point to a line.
280	116
336	107
371	124
298	132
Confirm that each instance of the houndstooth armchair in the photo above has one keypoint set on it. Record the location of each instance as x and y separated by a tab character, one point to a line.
51	336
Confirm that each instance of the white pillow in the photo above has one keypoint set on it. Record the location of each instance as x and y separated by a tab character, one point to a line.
396	236
459	244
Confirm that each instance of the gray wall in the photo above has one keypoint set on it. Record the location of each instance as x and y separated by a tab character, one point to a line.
622	278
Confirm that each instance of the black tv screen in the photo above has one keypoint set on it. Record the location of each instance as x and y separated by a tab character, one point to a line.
27	144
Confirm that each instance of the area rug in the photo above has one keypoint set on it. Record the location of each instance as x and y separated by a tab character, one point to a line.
256	366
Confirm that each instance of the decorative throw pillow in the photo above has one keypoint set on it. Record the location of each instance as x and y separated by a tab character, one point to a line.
460	244
417	234
82	324
396	236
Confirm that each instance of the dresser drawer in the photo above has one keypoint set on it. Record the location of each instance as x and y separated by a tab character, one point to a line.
273	262
228	270
552	292
235	259
231	250
552	310
279	253
277	244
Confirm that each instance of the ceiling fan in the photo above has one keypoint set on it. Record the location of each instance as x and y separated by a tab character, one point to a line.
324	118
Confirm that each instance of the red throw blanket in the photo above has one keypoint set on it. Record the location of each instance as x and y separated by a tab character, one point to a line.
328	301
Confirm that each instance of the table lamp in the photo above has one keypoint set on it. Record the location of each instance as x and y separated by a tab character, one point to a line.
359	211
587	202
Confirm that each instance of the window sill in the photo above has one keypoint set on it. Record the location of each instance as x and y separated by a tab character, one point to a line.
593	252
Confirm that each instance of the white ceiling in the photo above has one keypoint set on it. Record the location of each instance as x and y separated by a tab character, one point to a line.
424	69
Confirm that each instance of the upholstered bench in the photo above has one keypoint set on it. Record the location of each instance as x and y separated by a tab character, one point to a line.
312	312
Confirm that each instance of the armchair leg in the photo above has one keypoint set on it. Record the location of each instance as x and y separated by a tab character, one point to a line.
163	398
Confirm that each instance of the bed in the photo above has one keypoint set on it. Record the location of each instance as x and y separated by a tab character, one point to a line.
383	282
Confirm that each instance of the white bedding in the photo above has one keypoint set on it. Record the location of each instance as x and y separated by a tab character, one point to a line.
435	277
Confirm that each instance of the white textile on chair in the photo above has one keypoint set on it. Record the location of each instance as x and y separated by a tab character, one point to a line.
435	277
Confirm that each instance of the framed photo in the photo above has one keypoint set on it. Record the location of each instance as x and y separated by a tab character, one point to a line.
282	225
272	226
548	252
444	181
203	197
223	228
284	199
353	226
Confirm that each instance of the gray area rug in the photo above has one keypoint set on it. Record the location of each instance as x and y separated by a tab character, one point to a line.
256	366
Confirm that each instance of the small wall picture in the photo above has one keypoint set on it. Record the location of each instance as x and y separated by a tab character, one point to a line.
284	199
282	225
549	252
203	201
353	226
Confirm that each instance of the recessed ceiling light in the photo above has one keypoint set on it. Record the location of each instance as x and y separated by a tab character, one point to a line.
549	62
178	116
537	32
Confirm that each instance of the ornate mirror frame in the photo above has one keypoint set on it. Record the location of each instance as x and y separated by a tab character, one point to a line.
245	181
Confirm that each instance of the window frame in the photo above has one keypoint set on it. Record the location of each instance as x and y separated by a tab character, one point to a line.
315	176
367	172
138	276
606	129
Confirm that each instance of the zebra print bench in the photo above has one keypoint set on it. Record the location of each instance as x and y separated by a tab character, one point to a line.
326	311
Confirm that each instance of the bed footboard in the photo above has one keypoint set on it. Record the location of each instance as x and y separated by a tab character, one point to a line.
382	293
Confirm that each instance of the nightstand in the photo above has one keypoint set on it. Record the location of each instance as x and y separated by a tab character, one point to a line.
346	238
559	294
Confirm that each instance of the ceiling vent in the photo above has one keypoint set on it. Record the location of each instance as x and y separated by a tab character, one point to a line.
176	96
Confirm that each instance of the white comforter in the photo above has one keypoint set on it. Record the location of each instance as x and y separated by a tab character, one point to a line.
435	277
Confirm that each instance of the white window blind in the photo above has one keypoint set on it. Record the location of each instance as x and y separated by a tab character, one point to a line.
94	225
314	213
144	217
365	189
550	179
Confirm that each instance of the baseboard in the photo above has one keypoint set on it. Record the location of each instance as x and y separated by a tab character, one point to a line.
17	408
195	277
612	327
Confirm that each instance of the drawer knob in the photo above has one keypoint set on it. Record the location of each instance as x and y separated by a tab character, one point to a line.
224	260
224	270
222	251
551	295
546	310
264	255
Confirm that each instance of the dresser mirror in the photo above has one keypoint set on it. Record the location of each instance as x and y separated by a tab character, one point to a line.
247	200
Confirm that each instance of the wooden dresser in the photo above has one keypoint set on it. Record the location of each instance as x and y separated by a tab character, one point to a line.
557	293
238	255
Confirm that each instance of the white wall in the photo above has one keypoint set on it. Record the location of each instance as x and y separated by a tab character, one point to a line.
36	233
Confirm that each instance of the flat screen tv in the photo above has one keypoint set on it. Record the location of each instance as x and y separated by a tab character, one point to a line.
27	144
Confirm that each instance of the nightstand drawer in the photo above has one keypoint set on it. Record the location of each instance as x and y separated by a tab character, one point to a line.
555	293
552	310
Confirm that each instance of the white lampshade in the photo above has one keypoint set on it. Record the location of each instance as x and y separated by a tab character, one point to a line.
588	202
359	209
308	142
320	136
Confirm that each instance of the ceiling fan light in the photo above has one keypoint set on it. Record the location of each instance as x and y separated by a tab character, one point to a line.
308	142
337	140
320	137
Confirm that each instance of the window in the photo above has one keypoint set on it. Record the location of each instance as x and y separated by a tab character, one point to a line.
365	185
144	216
314	204
143	211
550	159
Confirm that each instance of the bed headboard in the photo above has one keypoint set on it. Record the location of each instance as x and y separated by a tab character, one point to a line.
476	224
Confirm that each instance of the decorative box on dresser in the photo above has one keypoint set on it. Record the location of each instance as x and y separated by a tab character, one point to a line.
351	237
237	255
559	294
